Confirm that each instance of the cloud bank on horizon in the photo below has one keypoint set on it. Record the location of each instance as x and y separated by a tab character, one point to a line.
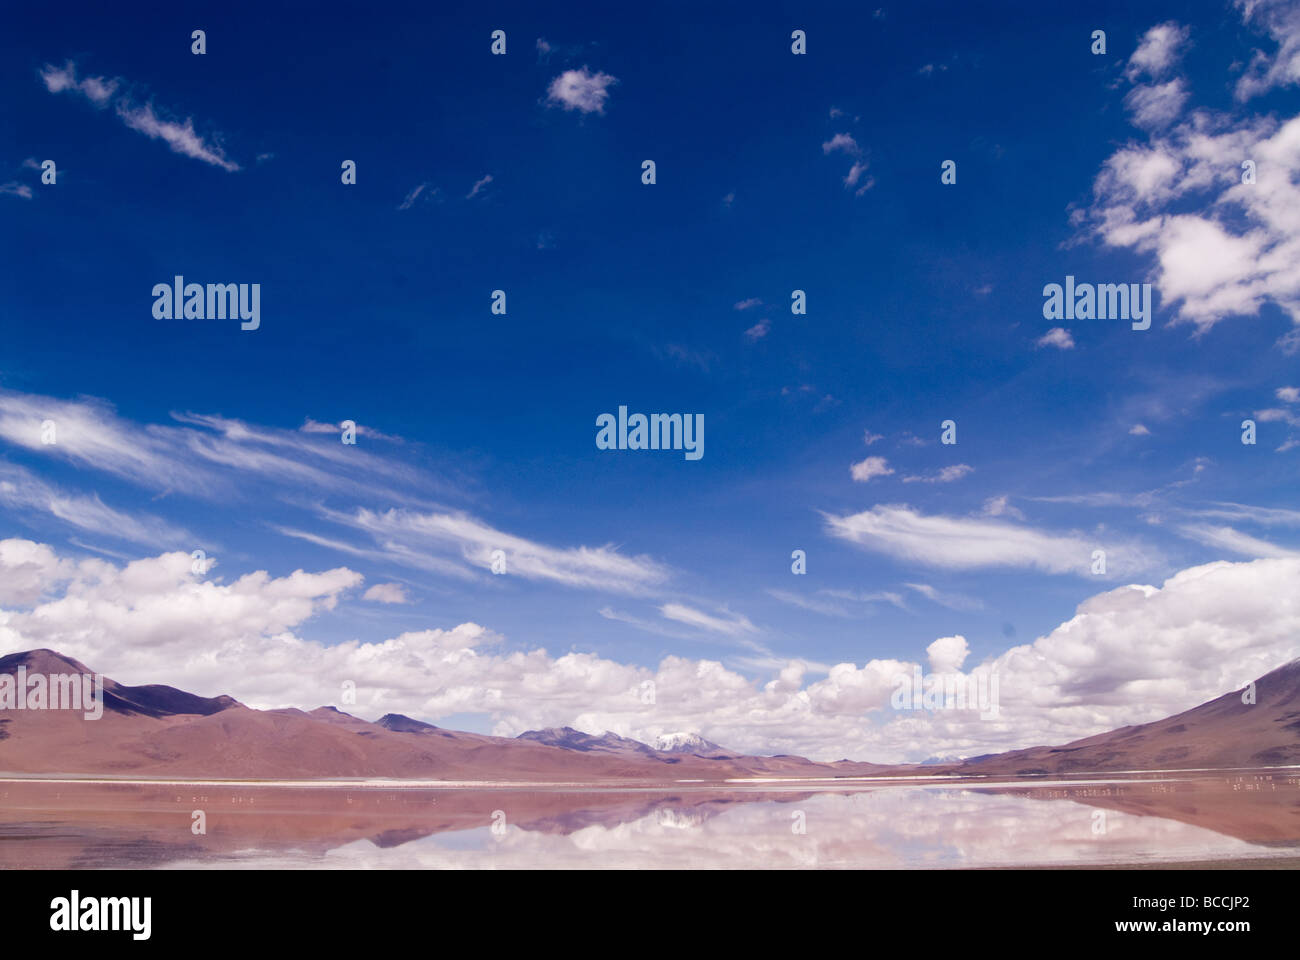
1130	655
393	480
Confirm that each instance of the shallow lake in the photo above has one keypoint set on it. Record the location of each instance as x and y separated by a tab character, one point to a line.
1139	819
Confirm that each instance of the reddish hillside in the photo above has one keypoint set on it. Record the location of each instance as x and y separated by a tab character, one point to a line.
159	731
1220	734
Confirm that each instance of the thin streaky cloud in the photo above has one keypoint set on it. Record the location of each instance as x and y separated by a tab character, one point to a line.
730	624
179	135
1234	541
948	474
22	490
962	543
953	601
410	536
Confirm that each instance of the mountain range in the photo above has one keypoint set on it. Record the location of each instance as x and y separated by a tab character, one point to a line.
158	731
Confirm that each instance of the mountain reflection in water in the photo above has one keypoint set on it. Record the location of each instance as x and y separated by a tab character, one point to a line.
1141	819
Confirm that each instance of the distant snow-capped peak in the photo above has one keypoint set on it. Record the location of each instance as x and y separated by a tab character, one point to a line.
684	743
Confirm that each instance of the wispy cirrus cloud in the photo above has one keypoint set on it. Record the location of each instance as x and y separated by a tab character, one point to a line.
427	191
872	596
1234	541
410	537
835	602
200	455
655	627
88	433
214	458
1268	516
386	552
144	118
1193	521
964	543
15	189
730	624
811	603
953	601
315	426
948	474
24	492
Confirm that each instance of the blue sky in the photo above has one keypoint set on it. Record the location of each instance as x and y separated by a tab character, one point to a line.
775	172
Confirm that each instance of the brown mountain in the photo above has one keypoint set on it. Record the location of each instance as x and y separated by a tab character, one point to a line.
1225	732
154	700
157	731
161	732
570	739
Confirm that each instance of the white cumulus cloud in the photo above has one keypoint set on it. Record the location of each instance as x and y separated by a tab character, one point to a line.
581	90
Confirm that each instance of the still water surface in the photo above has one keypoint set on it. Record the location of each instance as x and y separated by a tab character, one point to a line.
1139	819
